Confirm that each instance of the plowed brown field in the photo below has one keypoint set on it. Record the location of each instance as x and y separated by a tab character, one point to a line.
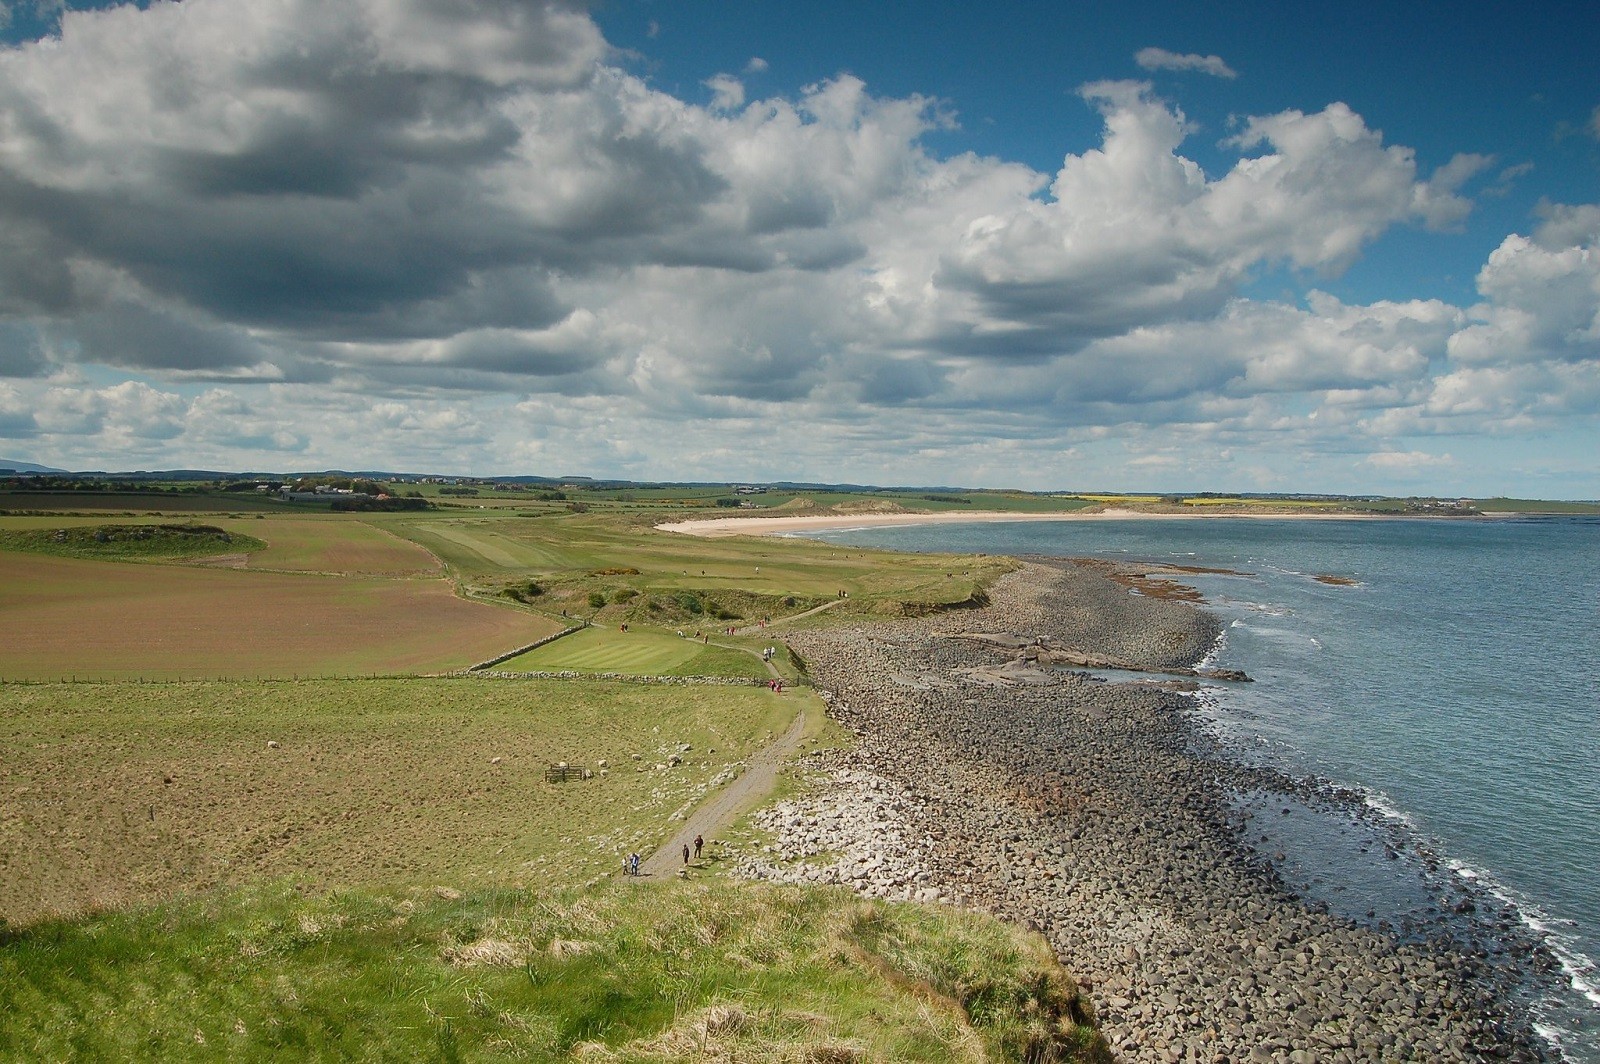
333	545
65	618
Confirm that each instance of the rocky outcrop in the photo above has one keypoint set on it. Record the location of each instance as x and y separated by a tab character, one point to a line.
1041	651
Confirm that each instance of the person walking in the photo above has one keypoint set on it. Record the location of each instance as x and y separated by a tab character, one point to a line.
698	842
686	853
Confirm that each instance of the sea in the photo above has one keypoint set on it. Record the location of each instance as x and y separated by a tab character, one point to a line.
1449	675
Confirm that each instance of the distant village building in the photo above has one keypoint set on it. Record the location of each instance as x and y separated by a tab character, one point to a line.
323	493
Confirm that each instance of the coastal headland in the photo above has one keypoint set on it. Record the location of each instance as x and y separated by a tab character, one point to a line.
1100	814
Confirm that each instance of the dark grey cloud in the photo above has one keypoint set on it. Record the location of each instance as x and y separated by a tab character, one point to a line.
136	336
21	354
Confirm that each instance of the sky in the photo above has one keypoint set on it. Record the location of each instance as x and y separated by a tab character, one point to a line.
1125	246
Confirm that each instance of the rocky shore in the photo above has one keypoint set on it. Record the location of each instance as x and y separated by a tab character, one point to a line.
1102	815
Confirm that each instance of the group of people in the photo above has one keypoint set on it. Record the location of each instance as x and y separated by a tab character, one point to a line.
630	863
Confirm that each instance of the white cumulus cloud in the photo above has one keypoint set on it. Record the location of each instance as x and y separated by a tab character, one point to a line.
350	226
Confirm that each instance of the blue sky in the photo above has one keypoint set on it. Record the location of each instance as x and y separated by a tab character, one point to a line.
1027	244
1512	80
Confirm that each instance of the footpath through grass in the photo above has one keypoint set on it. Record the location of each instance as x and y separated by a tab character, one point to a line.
630	972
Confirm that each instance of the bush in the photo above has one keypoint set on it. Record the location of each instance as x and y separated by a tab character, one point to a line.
688	603
597	599
523	592
625	595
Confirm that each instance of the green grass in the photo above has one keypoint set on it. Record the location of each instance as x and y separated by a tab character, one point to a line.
140	501
278	901
646	971
575	555
130	542
637	652
122	792
1535	506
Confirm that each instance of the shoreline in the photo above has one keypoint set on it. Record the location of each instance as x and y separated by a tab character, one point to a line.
1104	816
716	527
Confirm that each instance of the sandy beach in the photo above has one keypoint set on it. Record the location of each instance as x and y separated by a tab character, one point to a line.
1104	816
777	526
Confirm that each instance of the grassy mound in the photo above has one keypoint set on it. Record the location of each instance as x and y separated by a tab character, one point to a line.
629	972
164	542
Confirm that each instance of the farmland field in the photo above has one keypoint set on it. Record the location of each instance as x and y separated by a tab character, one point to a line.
647	653
332	545
139	502
119	792
63	617
315	544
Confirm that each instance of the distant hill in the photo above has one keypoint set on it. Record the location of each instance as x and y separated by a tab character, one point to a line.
26	467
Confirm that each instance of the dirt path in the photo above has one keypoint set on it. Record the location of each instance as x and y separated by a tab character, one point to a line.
747	629
753	784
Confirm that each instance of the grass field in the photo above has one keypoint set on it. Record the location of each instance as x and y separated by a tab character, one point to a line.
154	502
636	652
377	868
633	972
1536	506
582	553
1274	504
123	792
131	541
333	544
62	617
291	543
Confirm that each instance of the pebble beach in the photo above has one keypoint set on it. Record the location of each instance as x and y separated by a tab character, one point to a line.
1103	815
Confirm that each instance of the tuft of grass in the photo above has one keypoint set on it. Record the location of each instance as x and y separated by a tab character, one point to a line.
628	972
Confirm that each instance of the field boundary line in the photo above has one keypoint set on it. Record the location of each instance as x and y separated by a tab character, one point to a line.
535	645
630	677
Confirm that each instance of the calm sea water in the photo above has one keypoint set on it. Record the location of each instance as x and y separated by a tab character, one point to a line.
1457	683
